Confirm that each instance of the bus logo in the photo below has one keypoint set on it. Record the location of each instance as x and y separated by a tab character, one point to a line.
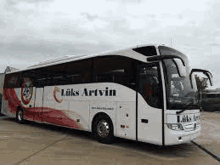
55	93
26	91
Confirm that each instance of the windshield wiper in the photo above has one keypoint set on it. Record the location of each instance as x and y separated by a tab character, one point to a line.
184	107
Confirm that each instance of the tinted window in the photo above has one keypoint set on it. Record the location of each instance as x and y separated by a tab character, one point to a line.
68	73
117	69
62	74
150	84
12	80
147	51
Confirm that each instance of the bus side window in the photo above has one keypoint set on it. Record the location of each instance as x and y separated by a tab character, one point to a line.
12	80
65	74
120	70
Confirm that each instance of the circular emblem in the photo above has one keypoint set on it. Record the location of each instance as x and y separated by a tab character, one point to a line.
55	91
26	91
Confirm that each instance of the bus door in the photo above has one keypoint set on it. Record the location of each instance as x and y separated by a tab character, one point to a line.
149	104
37	115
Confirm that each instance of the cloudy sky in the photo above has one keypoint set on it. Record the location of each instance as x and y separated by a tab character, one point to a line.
35	30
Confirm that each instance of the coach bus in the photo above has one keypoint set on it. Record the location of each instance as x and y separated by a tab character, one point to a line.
145	93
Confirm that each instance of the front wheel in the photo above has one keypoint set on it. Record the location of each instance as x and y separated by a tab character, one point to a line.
19	116
103	129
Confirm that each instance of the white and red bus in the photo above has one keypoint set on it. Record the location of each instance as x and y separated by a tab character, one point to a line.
147	93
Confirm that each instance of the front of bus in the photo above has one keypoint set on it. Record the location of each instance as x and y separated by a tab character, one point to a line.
181	110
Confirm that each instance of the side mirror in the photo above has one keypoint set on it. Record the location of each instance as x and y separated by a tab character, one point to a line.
178	60
207	73
164	57
181	68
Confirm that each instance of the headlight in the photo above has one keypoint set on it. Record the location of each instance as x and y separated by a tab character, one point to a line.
176	127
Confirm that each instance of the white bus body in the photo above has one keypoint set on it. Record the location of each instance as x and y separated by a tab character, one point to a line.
121	94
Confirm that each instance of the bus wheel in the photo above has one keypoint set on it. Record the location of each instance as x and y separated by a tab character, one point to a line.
19	116
103	129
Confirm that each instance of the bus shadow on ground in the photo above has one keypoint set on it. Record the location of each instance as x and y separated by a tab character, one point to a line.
53	128
175	151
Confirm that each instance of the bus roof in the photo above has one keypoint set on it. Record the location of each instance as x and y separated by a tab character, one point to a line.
127	52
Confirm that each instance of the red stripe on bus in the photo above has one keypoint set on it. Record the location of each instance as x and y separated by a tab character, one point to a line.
10	96
43	114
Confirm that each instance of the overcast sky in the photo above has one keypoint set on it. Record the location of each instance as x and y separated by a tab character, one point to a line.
35	30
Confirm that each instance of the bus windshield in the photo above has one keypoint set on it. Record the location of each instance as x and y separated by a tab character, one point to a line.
180	93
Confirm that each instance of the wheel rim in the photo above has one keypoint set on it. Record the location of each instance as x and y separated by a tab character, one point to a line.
103	129
20	115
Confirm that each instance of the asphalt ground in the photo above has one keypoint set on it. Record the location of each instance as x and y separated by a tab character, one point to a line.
210	134
35	143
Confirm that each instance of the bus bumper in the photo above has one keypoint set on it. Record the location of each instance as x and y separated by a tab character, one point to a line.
173	137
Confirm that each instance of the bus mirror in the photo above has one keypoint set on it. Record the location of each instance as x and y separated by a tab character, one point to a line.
207	73
180	63
164	57
181	68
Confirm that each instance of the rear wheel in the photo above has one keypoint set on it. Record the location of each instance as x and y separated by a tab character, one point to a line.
19	116
103	129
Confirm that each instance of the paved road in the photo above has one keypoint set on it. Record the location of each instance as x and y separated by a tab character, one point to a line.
34	143
210	134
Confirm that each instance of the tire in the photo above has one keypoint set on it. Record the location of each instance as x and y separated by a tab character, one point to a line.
103	129
19	116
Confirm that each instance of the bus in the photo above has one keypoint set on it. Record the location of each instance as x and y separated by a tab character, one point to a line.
144	93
